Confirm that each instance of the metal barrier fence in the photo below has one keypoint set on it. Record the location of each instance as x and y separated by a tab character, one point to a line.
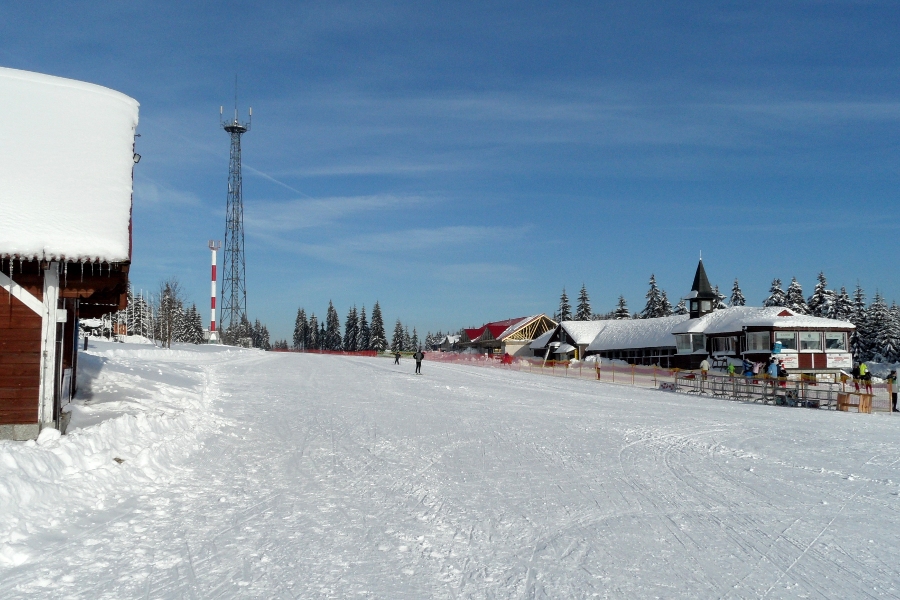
789	392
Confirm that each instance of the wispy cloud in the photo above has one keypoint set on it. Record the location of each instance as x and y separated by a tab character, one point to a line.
262	218
150	192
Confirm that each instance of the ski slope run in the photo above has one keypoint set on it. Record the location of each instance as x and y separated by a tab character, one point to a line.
332	477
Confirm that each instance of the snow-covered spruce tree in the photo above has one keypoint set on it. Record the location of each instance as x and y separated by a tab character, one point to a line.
193	326
892	338
323	337
362	332
312	339
737	296
665	305
776	295
397	339
720	299
565	309
332	329
377	336
256	334
351	330
407	339
583	310
301	330
843	306
821	302
794	298
860	339
621	311
414	340
680	308
879	318
654	301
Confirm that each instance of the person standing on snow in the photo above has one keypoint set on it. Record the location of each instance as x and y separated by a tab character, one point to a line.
396	358
419	355
892	388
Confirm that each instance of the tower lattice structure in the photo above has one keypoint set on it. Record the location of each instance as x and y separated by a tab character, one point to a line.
234	288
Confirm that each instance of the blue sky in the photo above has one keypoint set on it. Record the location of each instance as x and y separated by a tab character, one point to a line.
462	163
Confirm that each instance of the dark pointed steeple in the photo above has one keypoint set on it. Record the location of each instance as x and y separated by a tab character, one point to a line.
702	298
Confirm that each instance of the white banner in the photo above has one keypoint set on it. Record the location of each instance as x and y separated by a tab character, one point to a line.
839	360
791	360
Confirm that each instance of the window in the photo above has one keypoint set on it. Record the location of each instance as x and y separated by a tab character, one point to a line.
836	340
788	339
724	345
758	342
694	305
811	340
683	343
705	306
698	341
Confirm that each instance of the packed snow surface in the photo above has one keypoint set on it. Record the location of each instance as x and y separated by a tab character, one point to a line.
262	475
66	159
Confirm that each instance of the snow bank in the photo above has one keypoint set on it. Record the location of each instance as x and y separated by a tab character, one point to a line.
66	160
137	415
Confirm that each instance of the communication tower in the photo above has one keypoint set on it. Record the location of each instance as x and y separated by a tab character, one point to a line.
234	290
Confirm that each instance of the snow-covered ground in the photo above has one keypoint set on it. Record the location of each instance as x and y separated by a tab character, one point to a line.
264	475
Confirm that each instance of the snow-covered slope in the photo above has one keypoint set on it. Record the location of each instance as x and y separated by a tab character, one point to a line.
308	476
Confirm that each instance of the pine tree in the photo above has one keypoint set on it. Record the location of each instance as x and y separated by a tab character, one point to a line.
565	309
414	345
720	299
363	334
737	296
312	340
794	298
821	302
860	342
397	339
843	306
332	329
776	295
407	339
351	330
891	348
301	330
377	336
653	308
583	312
680	308
323	337
665	305
621	311
879	321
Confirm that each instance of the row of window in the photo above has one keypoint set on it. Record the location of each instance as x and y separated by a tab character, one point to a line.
761	341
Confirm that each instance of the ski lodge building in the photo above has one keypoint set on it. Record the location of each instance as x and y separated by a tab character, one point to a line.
511	336
66	163
806	344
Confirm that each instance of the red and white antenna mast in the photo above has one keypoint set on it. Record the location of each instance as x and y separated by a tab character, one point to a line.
214	246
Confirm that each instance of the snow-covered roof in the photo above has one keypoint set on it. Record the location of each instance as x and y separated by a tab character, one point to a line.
733	319
636	333
517	326
583	332
66	160
450	339
541	341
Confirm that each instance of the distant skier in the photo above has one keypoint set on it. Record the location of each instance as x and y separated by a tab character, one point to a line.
419	355
892	389
396	358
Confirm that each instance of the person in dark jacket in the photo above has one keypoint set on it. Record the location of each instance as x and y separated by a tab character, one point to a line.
396	358
418	356
892	388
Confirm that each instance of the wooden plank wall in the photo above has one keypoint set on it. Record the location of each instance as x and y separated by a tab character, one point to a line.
20	361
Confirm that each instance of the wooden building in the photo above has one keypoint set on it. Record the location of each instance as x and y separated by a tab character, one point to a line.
65	234
510	336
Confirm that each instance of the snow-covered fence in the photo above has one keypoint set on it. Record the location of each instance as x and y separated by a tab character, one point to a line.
371	353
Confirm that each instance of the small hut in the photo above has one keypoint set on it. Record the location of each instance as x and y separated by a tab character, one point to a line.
66	162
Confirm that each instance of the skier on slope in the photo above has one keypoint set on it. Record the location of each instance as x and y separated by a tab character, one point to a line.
418	356
397	358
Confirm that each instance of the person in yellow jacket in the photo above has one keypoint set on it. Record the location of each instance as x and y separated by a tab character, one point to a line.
865	376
